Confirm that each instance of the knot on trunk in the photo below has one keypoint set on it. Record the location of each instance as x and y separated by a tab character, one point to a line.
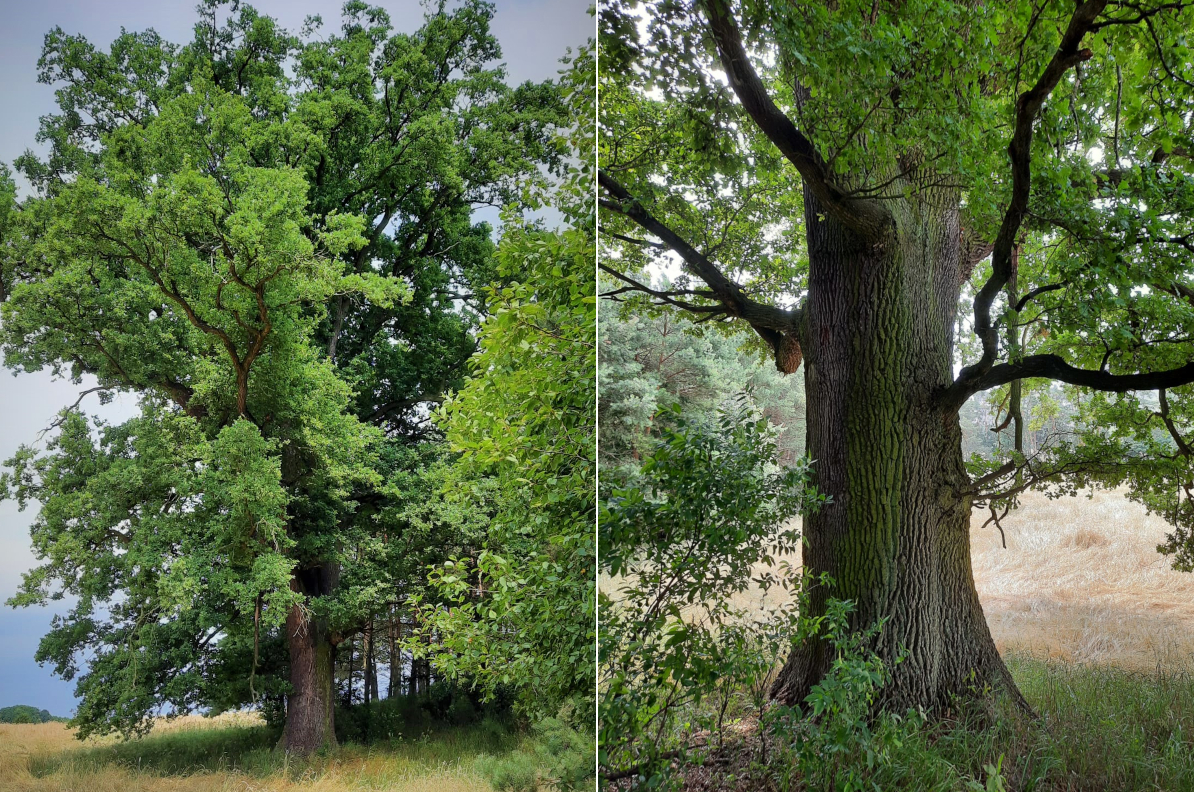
787	354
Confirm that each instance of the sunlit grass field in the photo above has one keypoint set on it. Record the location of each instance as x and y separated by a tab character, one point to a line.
234	752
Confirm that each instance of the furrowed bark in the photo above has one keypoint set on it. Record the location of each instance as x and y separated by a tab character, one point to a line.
310	719
896	535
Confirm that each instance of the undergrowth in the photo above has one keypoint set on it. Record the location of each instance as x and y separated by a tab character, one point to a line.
439	740
1097	728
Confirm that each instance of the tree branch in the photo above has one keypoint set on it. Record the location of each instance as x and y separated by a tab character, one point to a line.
725	291
1141	14
1054	367
867	218
668	298
1182	446
1038	291
1020	152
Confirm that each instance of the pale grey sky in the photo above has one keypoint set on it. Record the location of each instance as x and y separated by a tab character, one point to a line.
534	34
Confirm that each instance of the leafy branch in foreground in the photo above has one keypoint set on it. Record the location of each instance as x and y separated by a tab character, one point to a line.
680	541
519	614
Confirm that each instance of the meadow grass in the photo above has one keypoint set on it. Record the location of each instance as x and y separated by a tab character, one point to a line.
1098	632
224	754
1105	728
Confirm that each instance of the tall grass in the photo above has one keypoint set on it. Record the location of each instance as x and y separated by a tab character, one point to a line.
1098	632
1109	728
196	755
1096	728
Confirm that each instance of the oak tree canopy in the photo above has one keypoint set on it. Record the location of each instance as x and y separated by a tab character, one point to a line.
269	239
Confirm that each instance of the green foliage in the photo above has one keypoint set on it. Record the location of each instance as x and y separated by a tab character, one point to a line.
524	423
914	102
653	359
267	238
404	717
516	772
679	540
826	743
23	713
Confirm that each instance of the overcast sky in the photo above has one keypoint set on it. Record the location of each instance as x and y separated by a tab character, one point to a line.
534	34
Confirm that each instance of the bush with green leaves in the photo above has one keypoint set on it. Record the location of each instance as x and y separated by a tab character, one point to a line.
679	540
839	740
558	756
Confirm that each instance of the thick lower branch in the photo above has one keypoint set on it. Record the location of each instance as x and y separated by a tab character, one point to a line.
1054	367
867	218
1020	152
759	315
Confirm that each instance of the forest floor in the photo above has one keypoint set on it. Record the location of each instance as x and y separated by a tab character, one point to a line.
233	752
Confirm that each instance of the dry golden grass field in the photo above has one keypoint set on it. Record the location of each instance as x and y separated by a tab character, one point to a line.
46	758
1080	581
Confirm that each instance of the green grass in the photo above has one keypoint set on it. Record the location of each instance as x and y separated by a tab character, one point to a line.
1098	728
1106	728
245	749
249	750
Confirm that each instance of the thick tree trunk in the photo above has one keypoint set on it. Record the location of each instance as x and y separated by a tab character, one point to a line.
877	344
310	706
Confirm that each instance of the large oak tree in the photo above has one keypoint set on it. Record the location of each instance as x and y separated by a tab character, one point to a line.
270	240
921	201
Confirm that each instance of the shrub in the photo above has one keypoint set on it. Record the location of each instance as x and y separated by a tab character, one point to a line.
556	756
838	742
515	772
680	539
